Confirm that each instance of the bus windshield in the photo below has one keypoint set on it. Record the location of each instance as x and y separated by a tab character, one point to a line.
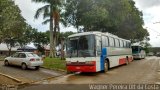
135	49
82	46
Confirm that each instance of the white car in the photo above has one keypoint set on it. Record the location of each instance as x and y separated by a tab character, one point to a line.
24	59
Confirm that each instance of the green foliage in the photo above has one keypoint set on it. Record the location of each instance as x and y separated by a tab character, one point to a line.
51	12
40	39
27	36
63	36
54	63
146	45
13	28
119	17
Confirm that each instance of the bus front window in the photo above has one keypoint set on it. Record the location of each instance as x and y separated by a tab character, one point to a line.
72	47
135	49
86	46
82	46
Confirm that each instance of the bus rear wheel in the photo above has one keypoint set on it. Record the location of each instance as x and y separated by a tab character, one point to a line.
127	61
106	66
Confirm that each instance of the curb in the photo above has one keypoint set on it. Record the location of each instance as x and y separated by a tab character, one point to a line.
15	79
47	78
61	70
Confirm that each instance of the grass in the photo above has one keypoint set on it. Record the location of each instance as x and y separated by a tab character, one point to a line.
2	58
54	63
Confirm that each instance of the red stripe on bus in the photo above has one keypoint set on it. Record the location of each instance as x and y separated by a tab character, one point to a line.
122	61
82	68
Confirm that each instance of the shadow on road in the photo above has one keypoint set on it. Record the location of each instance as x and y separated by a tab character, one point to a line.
19	68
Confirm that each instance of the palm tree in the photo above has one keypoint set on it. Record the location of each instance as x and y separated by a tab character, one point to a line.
50	10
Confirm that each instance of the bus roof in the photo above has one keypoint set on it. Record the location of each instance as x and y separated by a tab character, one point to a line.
96	33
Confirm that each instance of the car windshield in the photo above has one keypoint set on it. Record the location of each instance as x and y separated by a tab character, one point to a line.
82	46
32	55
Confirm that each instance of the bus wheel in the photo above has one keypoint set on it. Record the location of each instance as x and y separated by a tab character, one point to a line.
106	66
127	61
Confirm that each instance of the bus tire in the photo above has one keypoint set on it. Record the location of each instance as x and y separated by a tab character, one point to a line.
106	66
127	61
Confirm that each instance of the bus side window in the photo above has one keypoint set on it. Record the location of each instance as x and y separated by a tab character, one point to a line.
107	41
111	42
128	45
124	44
121	43
103	41
98	45
116	43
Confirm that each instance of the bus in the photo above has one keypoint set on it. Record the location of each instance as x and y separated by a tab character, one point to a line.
138	52
96	51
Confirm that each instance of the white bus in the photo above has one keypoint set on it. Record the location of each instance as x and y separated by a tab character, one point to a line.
96	51
138	52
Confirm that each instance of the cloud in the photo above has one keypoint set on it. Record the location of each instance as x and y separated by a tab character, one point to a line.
144	4
150	9
28	10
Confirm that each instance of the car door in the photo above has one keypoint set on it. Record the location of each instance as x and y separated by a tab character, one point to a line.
14	58
21	58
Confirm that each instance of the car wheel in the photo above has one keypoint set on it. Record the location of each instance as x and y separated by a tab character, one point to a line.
37	67
106	66
24	66
6	63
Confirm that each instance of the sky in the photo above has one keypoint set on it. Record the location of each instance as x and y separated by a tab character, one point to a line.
150	9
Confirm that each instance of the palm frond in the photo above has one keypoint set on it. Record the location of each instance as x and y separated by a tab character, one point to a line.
46	21
46	15
43	9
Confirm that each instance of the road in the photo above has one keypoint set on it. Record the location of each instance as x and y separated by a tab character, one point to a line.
146	71
29	75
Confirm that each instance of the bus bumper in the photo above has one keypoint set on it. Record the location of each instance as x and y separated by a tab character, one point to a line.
81	68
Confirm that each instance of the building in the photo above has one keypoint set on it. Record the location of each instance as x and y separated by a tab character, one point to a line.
4	51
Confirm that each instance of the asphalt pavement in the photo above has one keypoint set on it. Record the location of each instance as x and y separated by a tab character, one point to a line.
29	75
145	71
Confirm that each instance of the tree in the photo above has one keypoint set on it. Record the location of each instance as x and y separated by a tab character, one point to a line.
14	31
40	39
63	35
145	44
27	36
62	41
12	24
119	17
52	11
